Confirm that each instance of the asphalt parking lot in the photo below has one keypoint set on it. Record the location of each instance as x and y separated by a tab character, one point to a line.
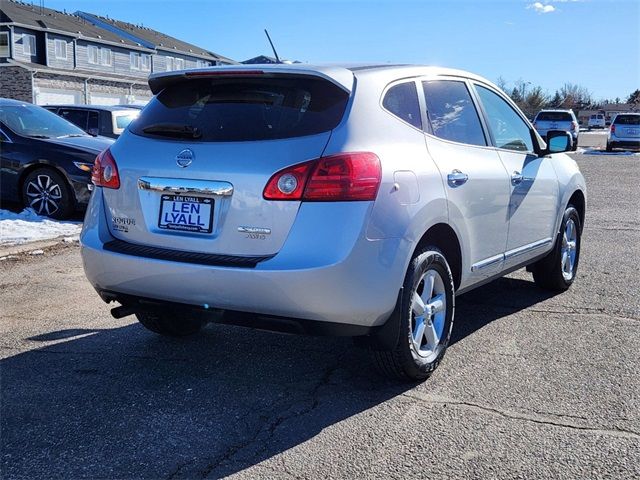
534	385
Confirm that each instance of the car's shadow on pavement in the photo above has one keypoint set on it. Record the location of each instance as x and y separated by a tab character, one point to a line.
125	403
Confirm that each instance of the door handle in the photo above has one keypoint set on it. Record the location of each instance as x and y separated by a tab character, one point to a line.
516	178
457	178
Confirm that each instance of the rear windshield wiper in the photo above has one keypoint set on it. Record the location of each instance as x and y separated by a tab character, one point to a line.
173	130
73	135
38	136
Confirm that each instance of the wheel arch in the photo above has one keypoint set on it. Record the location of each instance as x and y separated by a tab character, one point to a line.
578	200
444	237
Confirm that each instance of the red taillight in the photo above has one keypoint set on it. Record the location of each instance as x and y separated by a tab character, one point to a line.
613	128
337	178
105	171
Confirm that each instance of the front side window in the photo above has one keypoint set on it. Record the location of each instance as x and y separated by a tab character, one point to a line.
451	112
402	101
4	44
105	57
92	54
60	49
29	44
509	130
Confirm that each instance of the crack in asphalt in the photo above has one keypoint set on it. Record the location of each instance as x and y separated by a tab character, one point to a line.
534	417
270	430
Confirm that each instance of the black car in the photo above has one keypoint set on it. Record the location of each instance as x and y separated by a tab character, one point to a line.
45	161
97	119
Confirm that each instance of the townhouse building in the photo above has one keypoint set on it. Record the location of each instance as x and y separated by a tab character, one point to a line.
53	57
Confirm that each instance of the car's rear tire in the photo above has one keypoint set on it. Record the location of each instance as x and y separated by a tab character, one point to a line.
558	269
426	319
609	147
171	322
48	193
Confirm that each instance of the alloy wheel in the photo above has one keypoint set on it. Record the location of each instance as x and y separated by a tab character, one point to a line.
428	312
44	195
569	249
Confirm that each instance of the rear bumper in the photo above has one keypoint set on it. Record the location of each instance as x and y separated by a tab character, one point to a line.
322	275
616	143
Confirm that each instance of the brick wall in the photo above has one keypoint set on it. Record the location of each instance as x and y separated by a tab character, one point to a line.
15	82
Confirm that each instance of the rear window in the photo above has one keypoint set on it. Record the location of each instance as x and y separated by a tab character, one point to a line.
122	120
627	120
243	109
554	117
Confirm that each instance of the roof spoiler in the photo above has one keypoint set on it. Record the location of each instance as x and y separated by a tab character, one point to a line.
341	77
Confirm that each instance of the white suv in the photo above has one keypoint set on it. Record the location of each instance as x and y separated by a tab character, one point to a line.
352	201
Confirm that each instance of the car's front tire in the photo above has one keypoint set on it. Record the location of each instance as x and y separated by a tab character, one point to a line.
170	322
426	319
48	193
558	269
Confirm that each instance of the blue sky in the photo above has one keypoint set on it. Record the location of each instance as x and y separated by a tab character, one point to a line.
594	43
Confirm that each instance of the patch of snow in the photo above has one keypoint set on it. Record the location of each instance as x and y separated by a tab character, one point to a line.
8	257
27	226
37	252
75	238
594	132
592	151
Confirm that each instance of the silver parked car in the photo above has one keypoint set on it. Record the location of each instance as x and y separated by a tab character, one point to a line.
351	201
624	131
550	120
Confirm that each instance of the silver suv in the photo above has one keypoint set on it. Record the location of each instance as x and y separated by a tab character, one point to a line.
350	201
624	132
550	120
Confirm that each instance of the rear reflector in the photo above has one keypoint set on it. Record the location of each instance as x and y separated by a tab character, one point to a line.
105	171
344	177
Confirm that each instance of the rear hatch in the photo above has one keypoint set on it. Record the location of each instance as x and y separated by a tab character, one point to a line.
194	165
546	121
627	126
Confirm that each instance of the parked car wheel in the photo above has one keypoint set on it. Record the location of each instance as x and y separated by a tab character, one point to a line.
557	271
47	193
609	147
171	323
426	319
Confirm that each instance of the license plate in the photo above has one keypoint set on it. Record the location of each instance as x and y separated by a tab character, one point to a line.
186	213
632	131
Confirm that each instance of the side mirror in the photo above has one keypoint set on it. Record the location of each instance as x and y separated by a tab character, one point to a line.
93	132
558	141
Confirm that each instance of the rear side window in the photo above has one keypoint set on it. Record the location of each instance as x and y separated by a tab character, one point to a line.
554	117
402	101
451	112
243	109
627	120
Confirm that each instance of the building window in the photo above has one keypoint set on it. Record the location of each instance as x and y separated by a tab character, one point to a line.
135	61
4	44
202	64
170	63
92	54
105	57
29	44
179	63
60	48
145	62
